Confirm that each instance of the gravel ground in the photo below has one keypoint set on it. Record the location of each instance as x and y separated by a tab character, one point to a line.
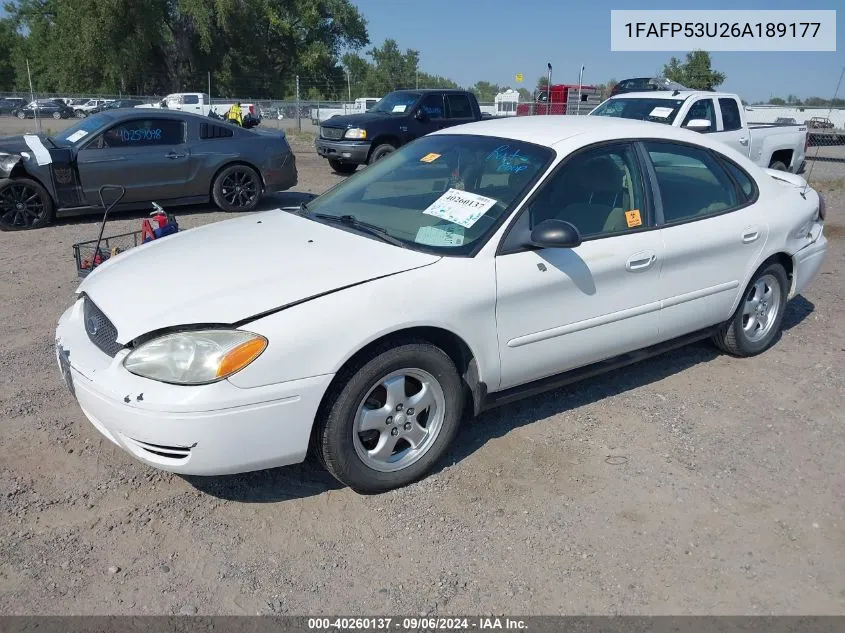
690	483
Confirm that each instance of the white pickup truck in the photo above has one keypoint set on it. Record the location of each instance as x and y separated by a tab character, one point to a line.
772	146
198	103
362	104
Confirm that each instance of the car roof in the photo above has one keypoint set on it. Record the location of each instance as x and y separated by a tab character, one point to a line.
155	113
551	130
671	94
427	90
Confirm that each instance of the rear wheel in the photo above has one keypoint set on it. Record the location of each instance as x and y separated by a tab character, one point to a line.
21	114
390	418
756	324
24	204
343	168
380	152
237	188
57	115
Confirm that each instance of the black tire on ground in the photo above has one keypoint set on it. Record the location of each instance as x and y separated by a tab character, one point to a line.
380	152
36	208
237	188
779	165
21	114
342	168
57	115
733	337
335	424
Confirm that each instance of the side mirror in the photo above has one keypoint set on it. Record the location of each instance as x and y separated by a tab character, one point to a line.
555	234
421	116
698	125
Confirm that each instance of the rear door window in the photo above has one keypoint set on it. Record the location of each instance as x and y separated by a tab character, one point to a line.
459	106
731	119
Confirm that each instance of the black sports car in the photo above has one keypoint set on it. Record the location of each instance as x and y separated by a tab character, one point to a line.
52	108
169	157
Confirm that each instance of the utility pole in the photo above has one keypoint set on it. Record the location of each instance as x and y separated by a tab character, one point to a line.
298	109
209	88
348	86
580	82
32	94
549	90
417	74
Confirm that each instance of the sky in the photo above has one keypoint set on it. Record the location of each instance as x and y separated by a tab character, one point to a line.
492	40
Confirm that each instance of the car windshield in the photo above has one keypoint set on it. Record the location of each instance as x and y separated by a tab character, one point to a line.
657	110
80	131
396	102
442	193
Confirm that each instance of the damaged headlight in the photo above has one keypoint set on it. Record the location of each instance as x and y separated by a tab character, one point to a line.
8	162
195	357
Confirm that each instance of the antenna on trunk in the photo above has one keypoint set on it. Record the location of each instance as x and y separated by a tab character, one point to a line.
829	112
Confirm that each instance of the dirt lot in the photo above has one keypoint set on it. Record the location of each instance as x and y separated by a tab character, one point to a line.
691	483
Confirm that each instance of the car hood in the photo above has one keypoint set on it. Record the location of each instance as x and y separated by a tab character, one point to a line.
13	145
357	120
228	272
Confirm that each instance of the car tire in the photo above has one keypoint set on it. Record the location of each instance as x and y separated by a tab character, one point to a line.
57	115
757	321
778	165
383	385
21	115
38	210
237	188
343	168
380	152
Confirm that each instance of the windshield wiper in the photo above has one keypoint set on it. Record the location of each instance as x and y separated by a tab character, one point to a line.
364	227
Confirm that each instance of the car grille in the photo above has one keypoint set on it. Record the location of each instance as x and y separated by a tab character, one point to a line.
100	330
331	133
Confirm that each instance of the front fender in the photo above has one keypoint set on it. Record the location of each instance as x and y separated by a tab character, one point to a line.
317	337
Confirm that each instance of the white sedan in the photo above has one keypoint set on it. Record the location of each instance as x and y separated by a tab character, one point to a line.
472	267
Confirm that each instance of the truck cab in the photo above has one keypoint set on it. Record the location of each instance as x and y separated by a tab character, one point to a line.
397	119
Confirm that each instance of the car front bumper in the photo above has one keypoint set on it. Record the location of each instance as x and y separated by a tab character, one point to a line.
214	429
356	152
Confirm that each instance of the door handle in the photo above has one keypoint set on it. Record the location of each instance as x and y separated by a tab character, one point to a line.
640	261
173	155
750	235
743	140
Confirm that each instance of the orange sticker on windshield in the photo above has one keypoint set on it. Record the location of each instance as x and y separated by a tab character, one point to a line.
633	218
429	158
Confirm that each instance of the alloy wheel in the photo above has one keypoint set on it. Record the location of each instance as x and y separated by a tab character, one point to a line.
239	188
761	308
21	205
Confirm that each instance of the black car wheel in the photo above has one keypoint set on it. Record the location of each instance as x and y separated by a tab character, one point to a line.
237	188
24	204
21	114
380	152
57	115
79	114
343	168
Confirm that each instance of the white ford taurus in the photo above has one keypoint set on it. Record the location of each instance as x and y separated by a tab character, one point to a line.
469	268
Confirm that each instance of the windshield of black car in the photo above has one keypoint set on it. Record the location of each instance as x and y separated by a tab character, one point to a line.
442	193
80	131
641	109
396	103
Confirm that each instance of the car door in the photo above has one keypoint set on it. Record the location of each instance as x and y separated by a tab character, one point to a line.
435	115
148	156
458	110
731	131
712	231
562	308
703	108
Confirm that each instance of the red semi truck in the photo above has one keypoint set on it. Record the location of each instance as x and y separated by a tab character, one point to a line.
561	99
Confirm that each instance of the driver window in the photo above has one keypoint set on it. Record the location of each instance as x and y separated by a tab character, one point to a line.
432	105
702	109
599	191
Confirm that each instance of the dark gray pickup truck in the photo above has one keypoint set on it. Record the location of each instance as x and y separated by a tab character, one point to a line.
397	119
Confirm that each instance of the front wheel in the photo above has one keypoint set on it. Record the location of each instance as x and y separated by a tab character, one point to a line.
57	115
778	165
24	204
380	152
342	168
21	115
236	188
756	324
390	418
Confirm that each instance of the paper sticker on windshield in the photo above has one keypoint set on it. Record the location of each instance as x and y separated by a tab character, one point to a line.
399	108
443	235
460	207
42	156
429	158
661	113
633	218
77	135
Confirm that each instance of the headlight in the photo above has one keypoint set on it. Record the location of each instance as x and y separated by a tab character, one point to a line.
195	357
356	133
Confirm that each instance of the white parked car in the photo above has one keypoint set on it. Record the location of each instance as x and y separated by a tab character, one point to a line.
471	267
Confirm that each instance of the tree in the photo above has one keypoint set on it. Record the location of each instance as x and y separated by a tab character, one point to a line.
793	100
695	72
10	41
485	91
543	83
525	95
777	101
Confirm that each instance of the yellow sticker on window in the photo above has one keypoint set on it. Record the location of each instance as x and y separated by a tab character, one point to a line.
633	218
429	158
